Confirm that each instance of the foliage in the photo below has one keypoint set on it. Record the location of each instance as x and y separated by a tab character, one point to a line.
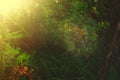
59	40
19	72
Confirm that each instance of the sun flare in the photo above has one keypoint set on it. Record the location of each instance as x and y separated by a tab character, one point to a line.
8	6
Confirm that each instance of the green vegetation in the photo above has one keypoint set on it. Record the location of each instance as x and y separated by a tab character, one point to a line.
61	40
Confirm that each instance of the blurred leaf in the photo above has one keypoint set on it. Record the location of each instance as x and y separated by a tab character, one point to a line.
22	58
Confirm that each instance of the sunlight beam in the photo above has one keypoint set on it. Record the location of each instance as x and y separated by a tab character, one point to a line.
9	6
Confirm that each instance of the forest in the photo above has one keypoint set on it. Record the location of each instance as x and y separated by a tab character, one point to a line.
59	39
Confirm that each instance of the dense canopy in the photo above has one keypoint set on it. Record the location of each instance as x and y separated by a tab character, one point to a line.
59	39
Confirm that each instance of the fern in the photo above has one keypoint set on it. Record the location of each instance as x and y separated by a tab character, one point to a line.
23	58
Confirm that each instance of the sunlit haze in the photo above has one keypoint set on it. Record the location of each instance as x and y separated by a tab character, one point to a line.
8	6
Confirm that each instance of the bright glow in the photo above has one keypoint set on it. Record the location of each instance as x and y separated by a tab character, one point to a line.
9	6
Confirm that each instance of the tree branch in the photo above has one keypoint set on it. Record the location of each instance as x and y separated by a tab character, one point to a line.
110	53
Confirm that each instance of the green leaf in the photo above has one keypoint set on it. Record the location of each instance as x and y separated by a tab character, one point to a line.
22	58
15	35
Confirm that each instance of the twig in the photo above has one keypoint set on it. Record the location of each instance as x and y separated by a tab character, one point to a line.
110	53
